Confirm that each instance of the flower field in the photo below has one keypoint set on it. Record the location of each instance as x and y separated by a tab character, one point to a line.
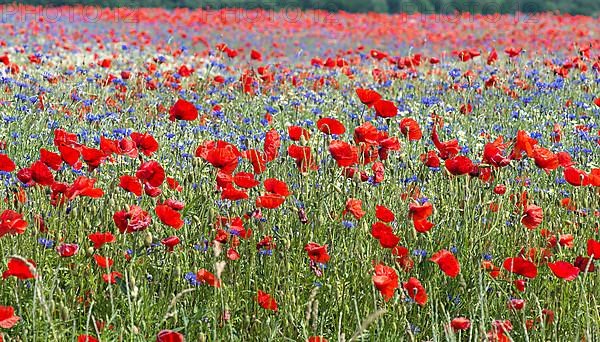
254	175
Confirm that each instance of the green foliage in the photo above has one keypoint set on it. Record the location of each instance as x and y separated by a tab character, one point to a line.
586	7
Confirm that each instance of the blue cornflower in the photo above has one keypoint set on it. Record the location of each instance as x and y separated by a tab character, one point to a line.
348	224
48	244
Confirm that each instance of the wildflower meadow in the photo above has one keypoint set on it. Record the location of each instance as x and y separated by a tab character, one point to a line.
279	175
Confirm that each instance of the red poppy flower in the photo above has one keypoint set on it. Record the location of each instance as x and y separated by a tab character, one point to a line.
366	133
170	242
62	137
223	158
183	110
422	226
317	253
169	336
269	201
111	278
403	258
40	173
233	194
86	338
128	148
447	149
564	270
316	339
430	159
385	280
367	96
208	278
500	189
379	229
354	206
257	158
109	146
99	239
389	240
296	133
459	165
385	109
523	143
303	157
447	262
595	177
151	172
266	301
593	249
532	216
133	220
224	180
92	157
6	164
130	184
420	212
545	159
494	155
521	267
385	235
271	145
584	264
152	191
416	291
384	214
12	223
103	262
20	269
7	317
169	216
245	180
516	304
174	184
513	52
411	129
275	186
520	284
331	126
343	153
67	250
378	172
145	143
460	323
83	186
576	177
564	159
51	159
255	55
232	254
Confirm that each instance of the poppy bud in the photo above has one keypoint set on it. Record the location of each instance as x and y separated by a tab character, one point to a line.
302	216
89	251
134	292
500	189
64	312
148	239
